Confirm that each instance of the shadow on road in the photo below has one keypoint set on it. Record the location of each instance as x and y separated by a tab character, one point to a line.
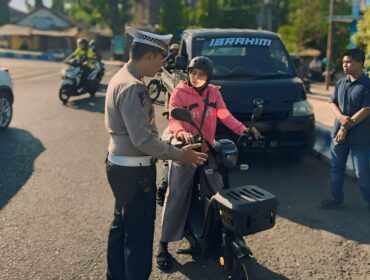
300	187
206	268
91	104
18	151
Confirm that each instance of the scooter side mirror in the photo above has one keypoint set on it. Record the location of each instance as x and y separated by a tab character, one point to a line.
182	114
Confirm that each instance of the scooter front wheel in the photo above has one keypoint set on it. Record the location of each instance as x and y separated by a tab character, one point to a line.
240	269
235	258
65	93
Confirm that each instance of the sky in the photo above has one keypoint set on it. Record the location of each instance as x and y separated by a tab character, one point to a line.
20	4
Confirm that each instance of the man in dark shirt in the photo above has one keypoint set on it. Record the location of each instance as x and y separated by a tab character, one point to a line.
350	104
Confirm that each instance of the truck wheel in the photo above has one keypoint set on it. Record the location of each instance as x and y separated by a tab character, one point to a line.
154	89
6	110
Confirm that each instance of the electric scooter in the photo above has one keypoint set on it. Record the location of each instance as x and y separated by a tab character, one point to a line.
220	216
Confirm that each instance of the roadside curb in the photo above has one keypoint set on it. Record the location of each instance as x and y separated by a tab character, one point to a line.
26	55
114	62
45	56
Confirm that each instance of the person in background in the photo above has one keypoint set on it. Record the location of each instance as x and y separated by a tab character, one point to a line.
315	69
85	55
350	104
96	53
169	61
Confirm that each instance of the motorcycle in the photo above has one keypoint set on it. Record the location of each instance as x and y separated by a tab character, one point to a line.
71	84
220	216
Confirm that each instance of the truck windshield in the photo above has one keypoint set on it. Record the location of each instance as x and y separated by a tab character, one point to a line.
256	58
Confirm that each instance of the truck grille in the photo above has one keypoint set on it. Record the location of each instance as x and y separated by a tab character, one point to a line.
266	116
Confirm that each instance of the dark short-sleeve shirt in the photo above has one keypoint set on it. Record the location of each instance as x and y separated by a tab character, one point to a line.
350	97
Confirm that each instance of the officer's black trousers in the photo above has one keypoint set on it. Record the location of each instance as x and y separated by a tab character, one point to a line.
130	238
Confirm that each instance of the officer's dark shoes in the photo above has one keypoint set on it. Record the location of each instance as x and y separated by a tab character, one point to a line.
163	257
331	203
161	193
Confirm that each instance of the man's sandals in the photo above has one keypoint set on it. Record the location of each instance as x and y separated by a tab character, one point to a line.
164	260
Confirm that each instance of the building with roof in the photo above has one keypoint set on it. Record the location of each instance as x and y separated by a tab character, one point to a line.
41	30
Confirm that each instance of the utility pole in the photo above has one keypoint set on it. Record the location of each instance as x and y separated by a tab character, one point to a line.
329	45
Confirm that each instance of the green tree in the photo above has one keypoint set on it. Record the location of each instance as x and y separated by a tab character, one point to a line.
362	37
238	13
58	6
173	17
4	12
306	23
112	13
208	13
38	4
307	26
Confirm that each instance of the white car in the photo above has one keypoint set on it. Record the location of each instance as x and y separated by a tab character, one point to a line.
6	98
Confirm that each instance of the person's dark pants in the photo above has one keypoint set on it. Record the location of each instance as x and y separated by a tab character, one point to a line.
164	182
85	73
360	157
130	238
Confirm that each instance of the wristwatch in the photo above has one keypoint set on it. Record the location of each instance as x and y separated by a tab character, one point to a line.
343	128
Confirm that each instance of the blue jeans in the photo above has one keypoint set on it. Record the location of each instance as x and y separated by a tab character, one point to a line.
360	157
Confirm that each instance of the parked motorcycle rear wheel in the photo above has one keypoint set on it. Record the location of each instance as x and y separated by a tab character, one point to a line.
65	93
154	89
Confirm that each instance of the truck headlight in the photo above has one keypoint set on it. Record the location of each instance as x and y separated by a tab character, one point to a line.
302	108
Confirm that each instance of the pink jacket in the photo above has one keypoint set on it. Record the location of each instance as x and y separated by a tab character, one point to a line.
186	97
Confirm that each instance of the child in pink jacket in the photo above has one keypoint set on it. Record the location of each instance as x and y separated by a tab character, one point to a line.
191	95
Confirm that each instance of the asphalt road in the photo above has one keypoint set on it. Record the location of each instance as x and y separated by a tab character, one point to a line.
56	205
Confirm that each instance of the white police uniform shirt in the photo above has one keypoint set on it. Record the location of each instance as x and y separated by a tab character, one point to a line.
130	121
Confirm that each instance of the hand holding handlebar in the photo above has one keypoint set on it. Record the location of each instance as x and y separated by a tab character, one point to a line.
186	137
257	135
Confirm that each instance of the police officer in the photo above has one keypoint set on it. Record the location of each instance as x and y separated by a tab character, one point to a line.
133	147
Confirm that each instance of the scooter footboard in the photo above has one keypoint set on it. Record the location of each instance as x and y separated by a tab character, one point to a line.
247	209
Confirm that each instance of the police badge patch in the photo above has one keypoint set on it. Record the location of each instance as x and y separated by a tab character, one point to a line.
142	97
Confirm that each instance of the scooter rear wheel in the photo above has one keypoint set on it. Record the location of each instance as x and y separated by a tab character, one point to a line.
65	93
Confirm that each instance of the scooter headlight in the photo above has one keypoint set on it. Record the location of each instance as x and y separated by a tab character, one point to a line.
226	153
302	108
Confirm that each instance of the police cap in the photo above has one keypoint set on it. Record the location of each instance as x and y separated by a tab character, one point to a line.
148	38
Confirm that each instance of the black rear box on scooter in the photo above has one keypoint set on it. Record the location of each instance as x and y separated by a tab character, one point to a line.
247	209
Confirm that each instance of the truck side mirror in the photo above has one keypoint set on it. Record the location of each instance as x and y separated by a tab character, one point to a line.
180	62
